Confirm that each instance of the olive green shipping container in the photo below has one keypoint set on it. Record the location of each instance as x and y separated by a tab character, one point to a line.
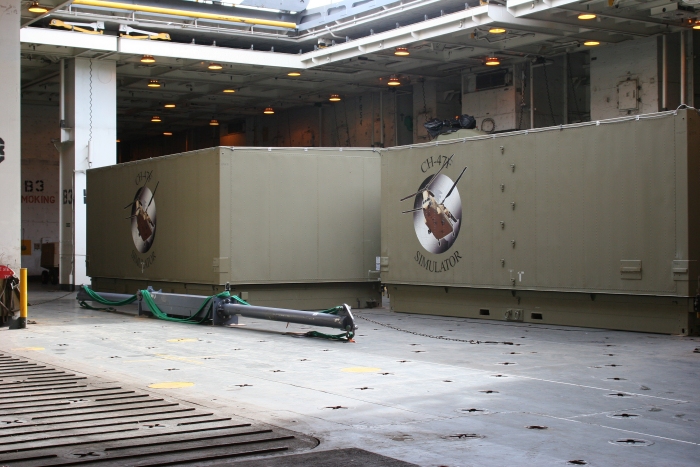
287	227
594	224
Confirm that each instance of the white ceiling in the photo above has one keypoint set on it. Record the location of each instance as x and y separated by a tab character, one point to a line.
444	37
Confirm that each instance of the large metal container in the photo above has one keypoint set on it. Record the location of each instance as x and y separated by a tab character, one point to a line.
291	228
592	224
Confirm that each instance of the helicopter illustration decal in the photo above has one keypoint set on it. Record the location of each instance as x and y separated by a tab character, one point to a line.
440	214
143	218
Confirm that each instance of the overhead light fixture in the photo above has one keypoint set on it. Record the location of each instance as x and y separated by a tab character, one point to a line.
492	61
156	119
294	74
591	43
119	141
36	8
229	91
214	122
497	30
697	24
153	83
169	106
394	81
148	59
334	98
268	111
215	66
402	51
167	133
585	16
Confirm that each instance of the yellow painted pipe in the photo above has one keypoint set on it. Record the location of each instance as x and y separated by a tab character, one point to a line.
22	298
190	14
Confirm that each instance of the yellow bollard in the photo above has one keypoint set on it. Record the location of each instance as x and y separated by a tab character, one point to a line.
22	298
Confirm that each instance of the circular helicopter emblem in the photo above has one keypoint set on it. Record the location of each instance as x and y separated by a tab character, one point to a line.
143	219
437	211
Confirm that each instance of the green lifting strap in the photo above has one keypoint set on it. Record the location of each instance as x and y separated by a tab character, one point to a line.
103	301
95	296
205	310
339	337
347	337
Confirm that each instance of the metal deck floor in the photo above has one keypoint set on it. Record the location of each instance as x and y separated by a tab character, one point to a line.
500	394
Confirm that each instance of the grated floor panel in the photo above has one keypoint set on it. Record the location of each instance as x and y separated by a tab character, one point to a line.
51	417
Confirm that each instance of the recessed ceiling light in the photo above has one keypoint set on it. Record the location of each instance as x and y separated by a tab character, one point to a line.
215	66
591	43
156	119
148	59
497	30
294	73
36	8
268	111
401	51
119	141
229	91
153	83
697	24
214	122
167	133
586	16
169	106
492	61
334	98
393	81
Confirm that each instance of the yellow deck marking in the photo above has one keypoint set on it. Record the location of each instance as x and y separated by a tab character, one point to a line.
361	369
171	385
183	339
29	348
179	359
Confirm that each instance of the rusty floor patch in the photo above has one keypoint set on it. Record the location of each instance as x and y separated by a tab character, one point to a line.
51	417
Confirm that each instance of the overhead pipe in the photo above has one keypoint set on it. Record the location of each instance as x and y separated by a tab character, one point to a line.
190	14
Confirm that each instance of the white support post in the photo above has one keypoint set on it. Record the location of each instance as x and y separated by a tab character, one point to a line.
90	106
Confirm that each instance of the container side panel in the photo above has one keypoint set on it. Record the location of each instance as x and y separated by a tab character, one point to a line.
303	216
252	223
560	243
341	217
226	220
155	220
694	200
371	199
590	209
294	217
